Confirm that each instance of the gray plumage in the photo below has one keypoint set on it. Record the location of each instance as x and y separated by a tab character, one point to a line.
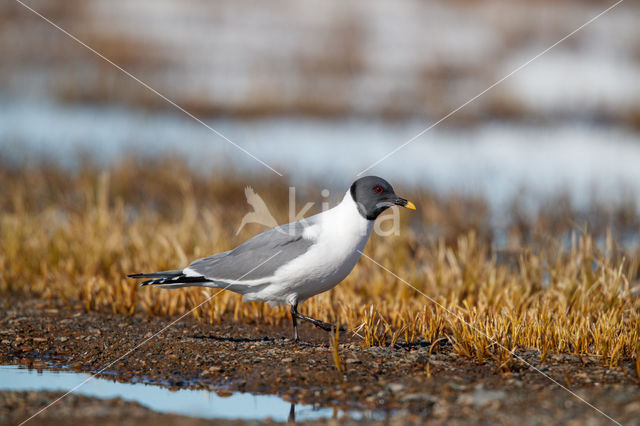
282	243
286	239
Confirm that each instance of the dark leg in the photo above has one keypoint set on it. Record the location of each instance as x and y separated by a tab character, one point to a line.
294	318
292	413
320	324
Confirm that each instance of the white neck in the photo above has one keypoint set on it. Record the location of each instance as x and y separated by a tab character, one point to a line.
346	219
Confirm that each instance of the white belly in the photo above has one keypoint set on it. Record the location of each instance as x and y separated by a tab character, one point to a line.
339	241
324	269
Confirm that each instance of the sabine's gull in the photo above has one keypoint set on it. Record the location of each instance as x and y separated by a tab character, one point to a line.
290	263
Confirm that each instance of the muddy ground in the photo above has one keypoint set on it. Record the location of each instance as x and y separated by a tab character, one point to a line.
405	384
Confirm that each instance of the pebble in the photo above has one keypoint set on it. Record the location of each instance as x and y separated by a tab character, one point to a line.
396	387
378	350
419	397
634	407
481	397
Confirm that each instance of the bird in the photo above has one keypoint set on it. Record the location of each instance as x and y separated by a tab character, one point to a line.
289	264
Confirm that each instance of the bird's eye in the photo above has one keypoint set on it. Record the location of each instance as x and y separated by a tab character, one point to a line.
378	189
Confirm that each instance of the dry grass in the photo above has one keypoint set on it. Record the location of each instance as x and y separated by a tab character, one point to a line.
74	236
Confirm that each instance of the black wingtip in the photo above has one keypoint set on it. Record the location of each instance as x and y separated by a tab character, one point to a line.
167	277
153	281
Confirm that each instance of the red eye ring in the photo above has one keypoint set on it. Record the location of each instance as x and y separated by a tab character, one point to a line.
378	189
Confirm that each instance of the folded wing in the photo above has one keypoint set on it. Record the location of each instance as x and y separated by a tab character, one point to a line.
256	259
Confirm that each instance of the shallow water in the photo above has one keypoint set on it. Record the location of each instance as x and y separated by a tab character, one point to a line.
497	160
186	402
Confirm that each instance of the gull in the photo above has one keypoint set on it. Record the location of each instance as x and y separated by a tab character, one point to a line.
291	263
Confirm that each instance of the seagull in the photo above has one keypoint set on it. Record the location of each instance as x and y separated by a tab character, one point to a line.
291	263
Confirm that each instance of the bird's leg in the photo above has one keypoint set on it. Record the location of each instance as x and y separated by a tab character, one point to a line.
294	318
320	324
292	413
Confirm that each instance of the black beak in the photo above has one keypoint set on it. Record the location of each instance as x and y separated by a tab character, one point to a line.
404	203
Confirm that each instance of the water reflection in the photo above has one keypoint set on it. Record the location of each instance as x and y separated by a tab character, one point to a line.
186	402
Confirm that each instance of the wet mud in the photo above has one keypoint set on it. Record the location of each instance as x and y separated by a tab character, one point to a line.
407	383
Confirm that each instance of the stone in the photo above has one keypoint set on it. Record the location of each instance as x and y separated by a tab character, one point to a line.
426	397
481	397
396	387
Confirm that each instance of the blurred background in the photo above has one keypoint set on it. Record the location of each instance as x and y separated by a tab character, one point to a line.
320	90
528	196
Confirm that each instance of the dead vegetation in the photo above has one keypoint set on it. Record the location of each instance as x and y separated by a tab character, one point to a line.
559	289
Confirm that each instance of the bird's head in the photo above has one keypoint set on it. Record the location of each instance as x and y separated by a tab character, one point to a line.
373	195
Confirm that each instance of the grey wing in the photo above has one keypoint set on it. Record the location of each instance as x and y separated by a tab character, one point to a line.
258	257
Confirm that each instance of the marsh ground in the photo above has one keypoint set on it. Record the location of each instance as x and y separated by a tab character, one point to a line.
408	383
487	318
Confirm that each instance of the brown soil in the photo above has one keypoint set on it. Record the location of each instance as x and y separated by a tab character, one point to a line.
405	384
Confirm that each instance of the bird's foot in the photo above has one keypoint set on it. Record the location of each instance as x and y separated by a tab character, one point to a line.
321	324
329	327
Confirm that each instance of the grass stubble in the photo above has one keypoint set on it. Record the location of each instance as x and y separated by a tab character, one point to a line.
73	236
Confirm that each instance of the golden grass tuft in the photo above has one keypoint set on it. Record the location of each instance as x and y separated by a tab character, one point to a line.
74	236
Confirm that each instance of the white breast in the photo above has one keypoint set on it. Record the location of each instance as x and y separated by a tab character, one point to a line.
340	234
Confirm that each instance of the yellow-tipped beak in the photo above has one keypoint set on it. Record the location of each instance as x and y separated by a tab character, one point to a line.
410	205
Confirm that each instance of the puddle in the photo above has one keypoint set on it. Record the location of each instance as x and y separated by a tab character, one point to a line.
186	402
